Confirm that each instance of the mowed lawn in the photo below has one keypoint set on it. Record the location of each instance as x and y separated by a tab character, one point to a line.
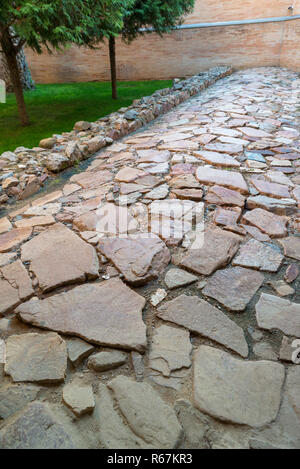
54	109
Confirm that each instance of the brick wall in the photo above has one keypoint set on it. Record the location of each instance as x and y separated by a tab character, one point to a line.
185	52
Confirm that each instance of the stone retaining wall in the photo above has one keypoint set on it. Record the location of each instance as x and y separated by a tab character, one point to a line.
24	171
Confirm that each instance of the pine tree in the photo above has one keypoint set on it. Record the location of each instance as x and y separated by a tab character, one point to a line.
52	24
148	16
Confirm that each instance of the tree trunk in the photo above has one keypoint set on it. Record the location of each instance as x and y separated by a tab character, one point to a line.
113	66
27	81
10	53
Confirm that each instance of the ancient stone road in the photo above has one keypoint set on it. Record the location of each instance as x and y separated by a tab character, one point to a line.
154	301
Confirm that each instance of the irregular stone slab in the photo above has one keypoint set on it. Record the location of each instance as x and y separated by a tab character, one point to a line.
217	159
114	433
103	361
109	220
13	238
219	195
14	397
218	249
58	256
147	414
271	189
291	273
176	278
224	131
40	358
258	256
92	179
93	312
287	350
78	350
170	350
229	179
184	181
282	288
5	225
291	246
42	210
35	221
269	223
18	277
180	145
254	133
9	297
139	258
233	287
188	194
202	318
256	233
159	192
153	156
277	313
128	174
79	398
224	148
36	428
158	296
278	206
227	217
232	390
7	258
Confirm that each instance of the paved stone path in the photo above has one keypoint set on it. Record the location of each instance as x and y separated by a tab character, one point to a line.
154	301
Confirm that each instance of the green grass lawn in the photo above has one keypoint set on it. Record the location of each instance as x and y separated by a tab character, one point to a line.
54	109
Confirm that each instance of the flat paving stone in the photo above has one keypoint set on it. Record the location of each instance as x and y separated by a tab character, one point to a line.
277	206
220	195
217	251
39	358
146	413
271	189
230	179
92	312
202	318
139	258
269	223
217	159
258	256
79	398
229	148
14	398
58	257
233	287
278	313
176	278
236	391
5	225
291	247
18	277
103	361
13	238
78	350
37	427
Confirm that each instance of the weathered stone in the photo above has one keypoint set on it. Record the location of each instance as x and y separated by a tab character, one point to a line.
269	223
109	220
42	210
58	257
47	143
222	196
36	428
14	397
103	361
56	162
176	278
40	358
278	206
93	312
170	350
147	414
247	393
254	133
286	349
227	217
5	225
82	126
230	179
291	246
224	148
180	145
138	365
271	189
233	287
158	296
184	181
264	351
159	192
291	273
9	297
281	288
276	313
188	194
17	276
13	238
139	258
218	249
7	258
35	221
153	156
256	233
114	433
91	179
128	174
258	256
79	398
78	350
202	318
217	159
